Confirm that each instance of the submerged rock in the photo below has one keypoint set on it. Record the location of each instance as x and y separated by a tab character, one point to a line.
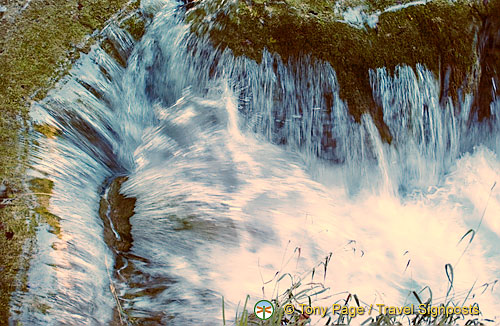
115	211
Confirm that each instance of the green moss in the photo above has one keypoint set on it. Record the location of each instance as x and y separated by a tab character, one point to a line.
40	185
440	35
12	219
135	25
47	130
50	219
135	5
42	189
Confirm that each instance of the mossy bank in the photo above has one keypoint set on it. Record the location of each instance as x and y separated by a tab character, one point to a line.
442	35
39	40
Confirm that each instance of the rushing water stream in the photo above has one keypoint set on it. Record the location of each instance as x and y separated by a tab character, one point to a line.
234	180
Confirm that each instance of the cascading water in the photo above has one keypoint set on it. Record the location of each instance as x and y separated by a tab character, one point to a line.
234	180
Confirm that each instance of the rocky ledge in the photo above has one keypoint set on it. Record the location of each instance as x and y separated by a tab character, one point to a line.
458	40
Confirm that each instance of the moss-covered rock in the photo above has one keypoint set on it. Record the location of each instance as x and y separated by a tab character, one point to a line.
42	190
39	40
135	25
442	35
47	130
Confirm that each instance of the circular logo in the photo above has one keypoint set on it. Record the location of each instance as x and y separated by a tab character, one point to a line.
263	309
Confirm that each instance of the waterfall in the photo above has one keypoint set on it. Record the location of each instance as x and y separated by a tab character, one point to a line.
235	163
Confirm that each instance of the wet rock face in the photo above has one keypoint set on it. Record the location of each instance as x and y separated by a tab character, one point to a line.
115	211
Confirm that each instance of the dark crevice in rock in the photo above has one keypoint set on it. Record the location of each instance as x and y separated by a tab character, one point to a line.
115	211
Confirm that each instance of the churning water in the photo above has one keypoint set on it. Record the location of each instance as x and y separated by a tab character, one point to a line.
235	181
